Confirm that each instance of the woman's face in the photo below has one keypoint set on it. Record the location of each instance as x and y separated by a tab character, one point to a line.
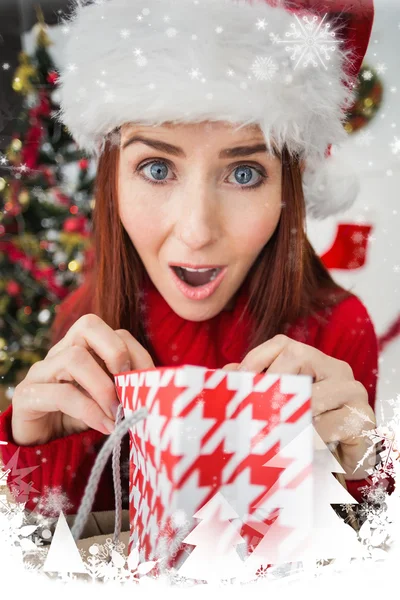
185	196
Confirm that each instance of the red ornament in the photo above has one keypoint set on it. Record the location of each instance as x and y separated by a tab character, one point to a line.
75	224
52	77
30	150
83	164
13	288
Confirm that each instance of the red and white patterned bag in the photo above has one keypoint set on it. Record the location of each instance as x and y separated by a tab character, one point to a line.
210	431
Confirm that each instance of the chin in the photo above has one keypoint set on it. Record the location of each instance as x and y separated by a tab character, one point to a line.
197	313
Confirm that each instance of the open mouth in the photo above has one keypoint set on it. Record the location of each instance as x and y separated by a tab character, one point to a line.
196	277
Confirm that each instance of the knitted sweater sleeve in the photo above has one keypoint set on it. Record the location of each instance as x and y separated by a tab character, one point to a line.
52	477
350	336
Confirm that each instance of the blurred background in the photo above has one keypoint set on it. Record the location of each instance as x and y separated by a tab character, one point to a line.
46	193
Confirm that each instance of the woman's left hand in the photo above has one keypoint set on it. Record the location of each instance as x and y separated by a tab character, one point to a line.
339	403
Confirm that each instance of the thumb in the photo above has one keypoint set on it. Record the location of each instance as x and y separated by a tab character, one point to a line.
231	367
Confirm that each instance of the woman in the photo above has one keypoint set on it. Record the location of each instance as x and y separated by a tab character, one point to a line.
173	197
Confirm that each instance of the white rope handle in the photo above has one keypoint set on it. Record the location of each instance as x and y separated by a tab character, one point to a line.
112	444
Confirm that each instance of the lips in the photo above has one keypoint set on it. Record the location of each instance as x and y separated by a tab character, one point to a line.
196	278
199	292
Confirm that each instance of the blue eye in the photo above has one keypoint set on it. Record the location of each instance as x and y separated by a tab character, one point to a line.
243	174
158	170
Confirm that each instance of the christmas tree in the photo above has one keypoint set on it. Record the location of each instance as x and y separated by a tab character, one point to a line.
215	556
45	215
290	538
63	557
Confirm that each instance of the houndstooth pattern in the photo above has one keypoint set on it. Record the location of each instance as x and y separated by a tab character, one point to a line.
208	431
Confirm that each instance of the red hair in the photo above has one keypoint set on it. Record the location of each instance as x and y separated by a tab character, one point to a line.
287	281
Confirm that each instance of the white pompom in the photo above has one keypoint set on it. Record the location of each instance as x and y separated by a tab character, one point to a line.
330	186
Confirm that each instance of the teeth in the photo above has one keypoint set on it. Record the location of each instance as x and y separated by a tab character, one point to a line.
181	271
213	276
196	270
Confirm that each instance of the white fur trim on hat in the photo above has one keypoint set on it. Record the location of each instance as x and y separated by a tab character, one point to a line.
188	61
330	186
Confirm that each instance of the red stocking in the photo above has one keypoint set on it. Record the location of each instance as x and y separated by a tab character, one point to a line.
349	248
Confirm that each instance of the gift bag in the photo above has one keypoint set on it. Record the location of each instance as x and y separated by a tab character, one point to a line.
216	459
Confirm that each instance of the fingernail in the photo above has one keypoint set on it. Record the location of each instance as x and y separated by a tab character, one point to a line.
114	409
241	368
109	425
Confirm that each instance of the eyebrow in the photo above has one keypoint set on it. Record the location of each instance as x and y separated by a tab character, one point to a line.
176	151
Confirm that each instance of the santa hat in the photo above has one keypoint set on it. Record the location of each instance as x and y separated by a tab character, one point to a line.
289	66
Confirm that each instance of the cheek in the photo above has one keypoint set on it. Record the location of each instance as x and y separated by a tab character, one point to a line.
254	220
136	211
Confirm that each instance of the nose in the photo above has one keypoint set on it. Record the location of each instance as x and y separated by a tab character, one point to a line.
197	220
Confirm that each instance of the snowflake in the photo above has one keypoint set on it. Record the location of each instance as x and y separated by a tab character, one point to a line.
53	501
381	68
142	307
278	400
365	138
171	535
385	437
262	571
179	518
125	468
349	510
171	32
109	96
396	268
367	75
395	145
261	24
175	578
194	74
14	530
107	562
357	237
264	68
114	138
125	33
311	39
141	61
4	476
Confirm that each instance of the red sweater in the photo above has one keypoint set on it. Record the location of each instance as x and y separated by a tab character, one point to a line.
65	463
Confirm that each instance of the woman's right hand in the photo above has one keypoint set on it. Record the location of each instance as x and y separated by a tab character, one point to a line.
72	388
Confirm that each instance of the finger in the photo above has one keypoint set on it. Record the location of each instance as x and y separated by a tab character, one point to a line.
331	395
342	425
119	351
231	367
281	354
44	398
139	357
76	364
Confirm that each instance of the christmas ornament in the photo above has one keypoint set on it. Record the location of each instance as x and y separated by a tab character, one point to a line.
369	95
